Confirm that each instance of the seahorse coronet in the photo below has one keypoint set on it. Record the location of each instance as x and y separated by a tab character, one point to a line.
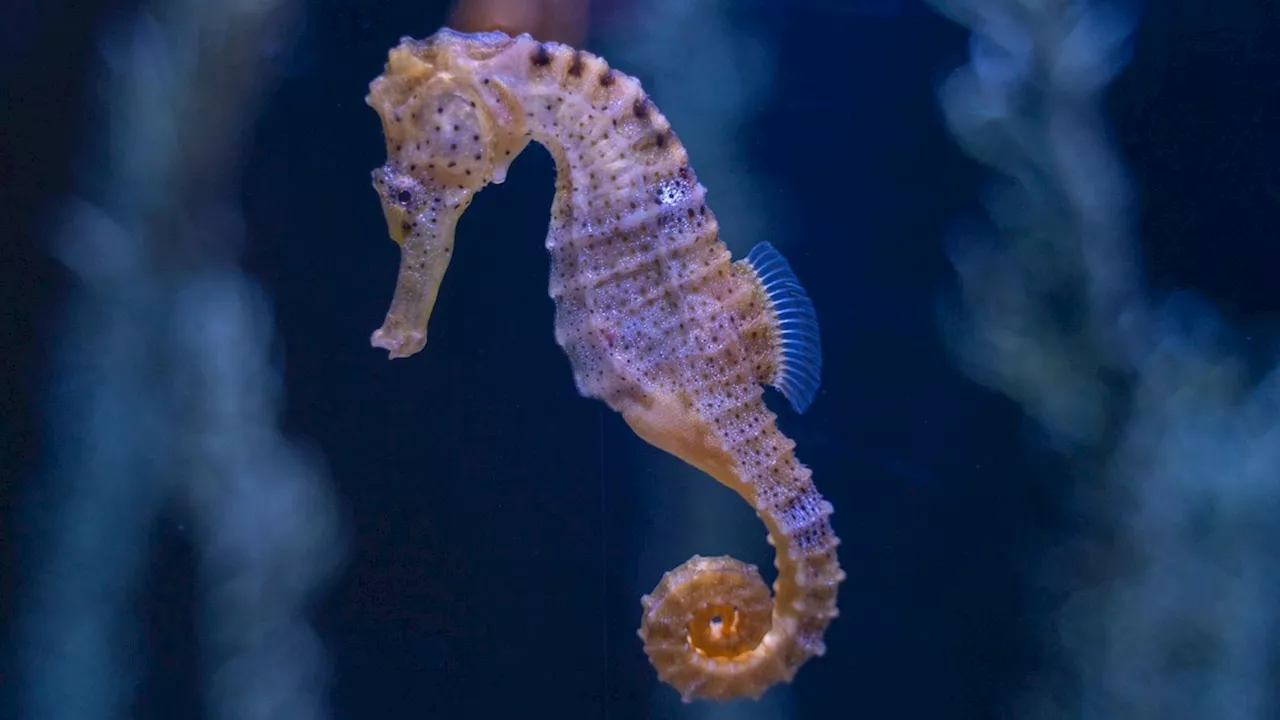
656	319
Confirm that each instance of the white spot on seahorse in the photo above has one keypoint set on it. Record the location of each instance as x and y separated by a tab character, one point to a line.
672	191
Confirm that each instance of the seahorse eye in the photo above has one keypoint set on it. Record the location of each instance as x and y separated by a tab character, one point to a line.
404	197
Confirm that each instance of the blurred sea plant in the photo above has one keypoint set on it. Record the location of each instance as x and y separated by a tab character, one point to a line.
1171	587
166	394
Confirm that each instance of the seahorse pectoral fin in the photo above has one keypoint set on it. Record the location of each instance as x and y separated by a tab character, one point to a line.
797	371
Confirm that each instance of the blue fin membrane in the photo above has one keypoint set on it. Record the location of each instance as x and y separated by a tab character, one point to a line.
799	371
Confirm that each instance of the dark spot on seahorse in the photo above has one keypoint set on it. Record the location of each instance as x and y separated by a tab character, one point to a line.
540	57
608	77
404	196
660	139
575	66
641	107
405	227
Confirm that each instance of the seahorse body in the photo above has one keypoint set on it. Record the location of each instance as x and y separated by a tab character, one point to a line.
655	318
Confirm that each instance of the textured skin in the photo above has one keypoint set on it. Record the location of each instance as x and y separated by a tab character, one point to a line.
653	315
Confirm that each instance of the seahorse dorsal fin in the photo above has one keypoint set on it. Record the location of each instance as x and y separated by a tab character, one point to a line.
798	371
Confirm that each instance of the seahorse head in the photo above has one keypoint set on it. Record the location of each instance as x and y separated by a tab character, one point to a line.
450	130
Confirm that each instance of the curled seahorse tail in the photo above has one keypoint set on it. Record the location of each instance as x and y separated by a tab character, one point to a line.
703	629
710	627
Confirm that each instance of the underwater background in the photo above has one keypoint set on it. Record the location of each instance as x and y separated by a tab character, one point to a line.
1041	238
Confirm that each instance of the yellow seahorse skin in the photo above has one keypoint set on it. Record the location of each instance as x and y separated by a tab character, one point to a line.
655	318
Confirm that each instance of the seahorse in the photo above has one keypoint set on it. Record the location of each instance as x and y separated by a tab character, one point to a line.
655	318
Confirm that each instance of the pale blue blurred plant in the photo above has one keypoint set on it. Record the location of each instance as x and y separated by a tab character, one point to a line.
1172	610
166	395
